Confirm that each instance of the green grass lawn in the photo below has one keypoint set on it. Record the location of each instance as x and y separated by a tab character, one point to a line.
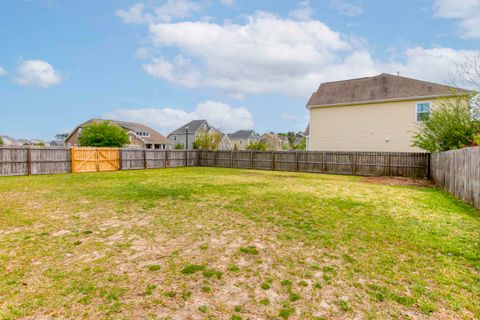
196	243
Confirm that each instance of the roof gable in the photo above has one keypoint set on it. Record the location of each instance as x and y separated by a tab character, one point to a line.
384	87
193	126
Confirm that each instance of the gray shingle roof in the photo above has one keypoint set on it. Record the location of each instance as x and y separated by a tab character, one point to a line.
384	87
241	134
193	126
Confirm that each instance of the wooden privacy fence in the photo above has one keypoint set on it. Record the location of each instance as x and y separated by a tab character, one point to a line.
153	159
24	161
458	172
413	165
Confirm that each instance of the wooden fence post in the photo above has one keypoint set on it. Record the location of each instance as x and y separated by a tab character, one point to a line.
215	158
97	160
72	159
354	163
389	165
251	159
273	160
166	158
296	161
145	158
29	159
429	165
186	158
324	164
120	161
231	158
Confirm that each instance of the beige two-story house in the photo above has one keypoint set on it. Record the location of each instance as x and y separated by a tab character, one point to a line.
242	138
377	113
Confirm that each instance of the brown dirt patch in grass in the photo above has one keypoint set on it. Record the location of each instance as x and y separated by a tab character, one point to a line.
399	181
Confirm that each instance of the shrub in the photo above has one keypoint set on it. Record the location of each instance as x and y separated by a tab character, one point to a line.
1	141
208	141
259	145
178	146
103	134
450	126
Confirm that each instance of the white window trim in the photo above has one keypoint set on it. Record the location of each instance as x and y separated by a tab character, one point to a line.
429	109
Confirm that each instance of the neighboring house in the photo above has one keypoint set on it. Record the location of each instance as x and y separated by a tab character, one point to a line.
140	135
371	114
9	141
195	128
242	138
274	142
307	137
225	143
299	137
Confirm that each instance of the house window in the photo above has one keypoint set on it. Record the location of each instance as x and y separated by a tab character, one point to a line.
423	111
241	141
174	138
142	134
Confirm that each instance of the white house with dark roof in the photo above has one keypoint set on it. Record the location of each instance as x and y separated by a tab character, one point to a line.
191	130
372	114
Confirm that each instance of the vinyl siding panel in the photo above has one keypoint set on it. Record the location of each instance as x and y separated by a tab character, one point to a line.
368	127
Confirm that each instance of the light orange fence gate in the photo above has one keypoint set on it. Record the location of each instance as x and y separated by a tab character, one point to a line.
95	159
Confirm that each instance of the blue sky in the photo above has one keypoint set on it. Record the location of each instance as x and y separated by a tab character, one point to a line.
239	63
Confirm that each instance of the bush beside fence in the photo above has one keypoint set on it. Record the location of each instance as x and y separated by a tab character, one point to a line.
458	172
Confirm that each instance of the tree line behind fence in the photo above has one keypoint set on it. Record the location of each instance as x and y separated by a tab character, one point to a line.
49	160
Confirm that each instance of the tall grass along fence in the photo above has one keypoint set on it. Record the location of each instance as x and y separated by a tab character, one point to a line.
458	172
25	161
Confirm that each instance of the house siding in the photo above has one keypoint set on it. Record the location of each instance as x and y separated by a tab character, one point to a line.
385	126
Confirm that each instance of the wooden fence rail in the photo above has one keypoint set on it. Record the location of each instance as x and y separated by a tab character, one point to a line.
413	165
458	172
25	161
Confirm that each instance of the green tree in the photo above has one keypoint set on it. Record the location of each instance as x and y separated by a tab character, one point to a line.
1	141
450	126
178	146
103	134
208	141
302	145
259	145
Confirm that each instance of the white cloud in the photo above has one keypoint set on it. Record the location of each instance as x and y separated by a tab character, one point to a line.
170	10
2	71
134	14
269	54
37	73
303	12
467	12
266	54
346	8
219	114
228	3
